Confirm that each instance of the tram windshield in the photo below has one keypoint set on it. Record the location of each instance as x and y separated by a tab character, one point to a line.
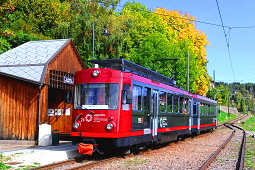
96	96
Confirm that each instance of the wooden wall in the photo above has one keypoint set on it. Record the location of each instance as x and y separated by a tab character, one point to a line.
67	60
18	109
63	122
19	100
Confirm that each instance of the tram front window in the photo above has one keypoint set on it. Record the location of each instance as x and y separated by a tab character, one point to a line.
96	96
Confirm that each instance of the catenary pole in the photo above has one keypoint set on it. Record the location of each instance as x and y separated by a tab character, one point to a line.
188	73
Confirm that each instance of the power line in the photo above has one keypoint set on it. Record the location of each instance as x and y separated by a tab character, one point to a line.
226	35
227	40
208	23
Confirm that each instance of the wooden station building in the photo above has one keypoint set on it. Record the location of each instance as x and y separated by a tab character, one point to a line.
36	87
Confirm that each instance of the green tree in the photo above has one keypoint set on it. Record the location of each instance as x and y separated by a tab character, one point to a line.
4	45
83	14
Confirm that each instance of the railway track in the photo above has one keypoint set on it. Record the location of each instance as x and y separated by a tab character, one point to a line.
73	164
240	160
234	120
91	163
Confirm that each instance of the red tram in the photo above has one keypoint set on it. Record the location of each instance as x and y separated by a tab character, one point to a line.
127	105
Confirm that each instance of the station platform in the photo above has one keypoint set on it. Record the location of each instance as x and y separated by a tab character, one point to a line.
26	154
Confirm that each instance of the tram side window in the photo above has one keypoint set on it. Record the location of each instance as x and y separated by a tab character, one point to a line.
145	99
181	107
169	103
126	87
176	101
137	96
162	101
207	109
184	106
187	105
202	109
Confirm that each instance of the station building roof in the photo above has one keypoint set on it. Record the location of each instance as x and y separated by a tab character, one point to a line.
30	60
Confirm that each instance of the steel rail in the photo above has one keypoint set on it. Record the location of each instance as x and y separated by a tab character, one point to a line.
240	163
55	165
213	156
94	164
234	120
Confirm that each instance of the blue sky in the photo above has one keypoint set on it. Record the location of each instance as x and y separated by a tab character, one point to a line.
233	64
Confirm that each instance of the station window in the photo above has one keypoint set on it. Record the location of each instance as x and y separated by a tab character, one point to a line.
137	96
162	101
169	103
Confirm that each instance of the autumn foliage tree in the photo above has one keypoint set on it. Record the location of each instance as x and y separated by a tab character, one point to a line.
183	26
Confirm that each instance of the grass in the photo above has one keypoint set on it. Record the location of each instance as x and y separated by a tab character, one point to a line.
19	153
29	166
2	165
249	124
23	167
134	161
249	160
223	117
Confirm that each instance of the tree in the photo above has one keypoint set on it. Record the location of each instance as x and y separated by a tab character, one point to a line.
4	45
183	26
83	13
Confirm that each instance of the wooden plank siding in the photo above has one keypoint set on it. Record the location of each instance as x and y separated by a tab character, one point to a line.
67	60
18	109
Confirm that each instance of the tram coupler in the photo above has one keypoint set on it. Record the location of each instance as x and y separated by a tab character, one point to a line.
86	149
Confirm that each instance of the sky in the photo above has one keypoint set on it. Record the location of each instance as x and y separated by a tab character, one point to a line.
231	53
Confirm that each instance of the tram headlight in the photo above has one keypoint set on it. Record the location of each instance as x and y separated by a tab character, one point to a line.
76	125
96	73
109	126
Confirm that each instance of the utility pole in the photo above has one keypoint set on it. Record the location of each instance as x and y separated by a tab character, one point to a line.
253	111
188	74
214	83
93	40
228	102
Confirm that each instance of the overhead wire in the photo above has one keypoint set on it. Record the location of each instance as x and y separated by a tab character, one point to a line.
226	35
227	39
209	23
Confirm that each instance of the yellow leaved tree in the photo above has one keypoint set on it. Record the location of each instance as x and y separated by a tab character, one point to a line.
184	28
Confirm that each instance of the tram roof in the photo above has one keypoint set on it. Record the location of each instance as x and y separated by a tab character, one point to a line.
127	66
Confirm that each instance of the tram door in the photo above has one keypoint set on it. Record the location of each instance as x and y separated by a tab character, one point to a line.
154	112
196	117
147	110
